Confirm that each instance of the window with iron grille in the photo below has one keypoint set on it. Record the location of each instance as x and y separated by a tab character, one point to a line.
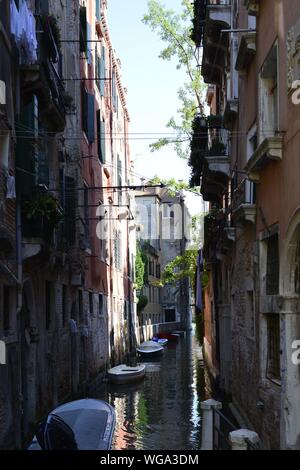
273	358
272	286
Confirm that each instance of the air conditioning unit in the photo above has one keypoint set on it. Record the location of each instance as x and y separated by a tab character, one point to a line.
2	93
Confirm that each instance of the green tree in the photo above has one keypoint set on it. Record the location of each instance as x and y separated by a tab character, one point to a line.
139	269
175	30
182	267
172	185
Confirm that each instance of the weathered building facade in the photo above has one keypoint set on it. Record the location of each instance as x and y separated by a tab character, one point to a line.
164	231
66	285
250	51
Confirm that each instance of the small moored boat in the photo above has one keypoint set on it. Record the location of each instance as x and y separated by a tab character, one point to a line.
86	424
123	374
161	341
150	347
169	336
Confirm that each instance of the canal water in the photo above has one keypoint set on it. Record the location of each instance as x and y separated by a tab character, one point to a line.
163	411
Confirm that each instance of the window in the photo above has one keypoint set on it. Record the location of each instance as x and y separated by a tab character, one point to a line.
268	87
119	179
69	204
6	309
250	192
80	305
88	114
98	10
272	285
91	303
273	358
48	302
251	141
64	305
101	304
101	137
83	30
100	67
125	309
297	269
4	148
158	271
170	315
114	91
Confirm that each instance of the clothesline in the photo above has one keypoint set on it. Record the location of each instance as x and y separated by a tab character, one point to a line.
23	28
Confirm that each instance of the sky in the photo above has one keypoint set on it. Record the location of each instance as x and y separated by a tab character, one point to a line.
152	86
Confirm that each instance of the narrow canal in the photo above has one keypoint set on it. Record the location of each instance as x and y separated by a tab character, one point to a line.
163	411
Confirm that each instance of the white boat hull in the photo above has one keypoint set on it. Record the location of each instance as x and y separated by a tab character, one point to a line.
150	348
123	374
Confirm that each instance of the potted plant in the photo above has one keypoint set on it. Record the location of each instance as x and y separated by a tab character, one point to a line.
42	213
215	121
217	148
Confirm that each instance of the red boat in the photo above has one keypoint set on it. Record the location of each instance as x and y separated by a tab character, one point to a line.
169	336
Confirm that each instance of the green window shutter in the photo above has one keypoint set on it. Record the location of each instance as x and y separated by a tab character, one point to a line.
83	30
102	141
102	73
84	109
98	10
98	72
91	118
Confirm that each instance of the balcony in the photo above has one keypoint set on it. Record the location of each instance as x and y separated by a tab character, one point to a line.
252	7
269	149
246	52
43	77
216	169
216	43
198	149
41	214
243	202
230	113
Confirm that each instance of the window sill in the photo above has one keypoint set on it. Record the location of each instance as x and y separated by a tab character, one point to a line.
276	382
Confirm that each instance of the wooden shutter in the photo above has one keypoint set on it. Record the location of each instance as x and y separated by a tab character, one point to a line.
83	30
98	10
102	72
101	138
91	118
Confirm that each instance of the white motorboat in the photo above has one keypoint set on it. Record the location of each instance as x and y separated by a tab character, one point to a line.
86	424
150	347
123	374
